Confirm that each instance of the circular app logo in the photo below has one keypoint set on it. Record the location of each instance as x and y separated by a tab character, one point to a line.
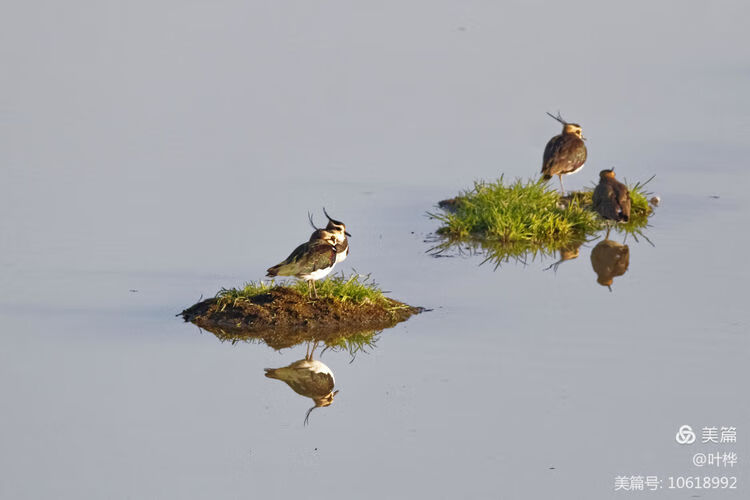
685	435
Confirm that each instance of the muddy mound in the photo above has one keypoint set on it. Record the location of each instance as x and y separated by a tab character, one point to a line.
282	315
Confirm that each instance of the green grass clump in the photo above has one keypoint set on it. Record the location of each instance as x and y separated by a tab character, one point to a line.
357	289
250	290
519	212
526	218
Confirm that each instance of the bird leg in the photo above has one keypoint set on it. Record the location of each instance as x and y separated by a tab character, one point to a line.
608	228
554	266
561	184
312	351
315	292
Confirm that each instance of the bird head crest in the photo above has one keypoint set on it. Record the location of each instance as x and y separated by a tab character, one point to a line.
335	224
558	117
310	218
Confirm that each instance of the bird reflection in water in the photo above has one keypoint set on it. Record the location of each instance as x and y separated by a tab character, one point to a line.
569	252
609	260
308	377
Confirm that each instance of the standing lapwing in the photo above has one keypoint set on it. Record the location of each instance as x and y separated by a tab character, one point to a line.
308	377
339	230
611	198
310	261
565	153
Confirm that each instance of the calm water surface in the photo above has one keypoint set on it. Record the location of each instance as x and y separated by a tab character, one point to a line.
154	153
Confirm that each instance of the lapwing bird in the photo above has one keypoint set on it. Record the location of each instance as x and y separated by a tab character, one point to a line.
611	198
310	261
609	260
339	230
310	378
565	153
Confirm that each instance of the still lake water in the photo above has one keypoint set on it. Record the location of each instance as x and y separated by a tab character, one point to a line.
152	153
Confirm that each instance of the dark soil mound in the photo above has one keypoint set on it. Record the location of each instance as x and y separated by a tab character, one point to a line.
283	317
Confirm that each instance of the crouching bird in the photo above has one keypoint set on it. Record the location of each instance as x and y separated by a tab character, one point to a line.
310	378
311	261
565	153
611	198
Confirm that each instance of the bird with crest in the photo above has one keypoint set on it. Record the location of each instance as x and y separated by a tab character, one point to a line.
565	153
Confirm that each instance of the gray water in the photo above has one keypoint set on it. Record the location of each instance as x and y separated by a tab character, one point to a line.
154	152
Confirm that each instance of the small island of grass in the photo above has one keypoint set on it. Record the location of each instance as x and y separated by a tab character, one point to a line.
521	218
284	315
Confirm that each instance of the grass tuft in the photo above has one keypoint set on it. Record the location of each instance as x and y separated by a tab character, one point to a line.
251	289
357	289
525	219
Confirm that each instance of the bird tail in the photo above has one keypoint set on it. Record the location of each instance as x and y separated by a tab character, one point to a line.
270	372
546	177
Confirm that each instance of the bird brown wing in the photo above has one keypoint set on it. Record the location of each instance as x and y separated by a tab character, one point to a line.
602	194
611	199
306	258
306	382
282	267
604	200
564	153
321	255
550	150
320	384
623	200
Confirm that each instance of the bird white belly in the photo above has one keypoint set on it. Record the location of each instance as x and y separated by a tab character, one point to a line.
341	256
316	275
319	367
576	170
